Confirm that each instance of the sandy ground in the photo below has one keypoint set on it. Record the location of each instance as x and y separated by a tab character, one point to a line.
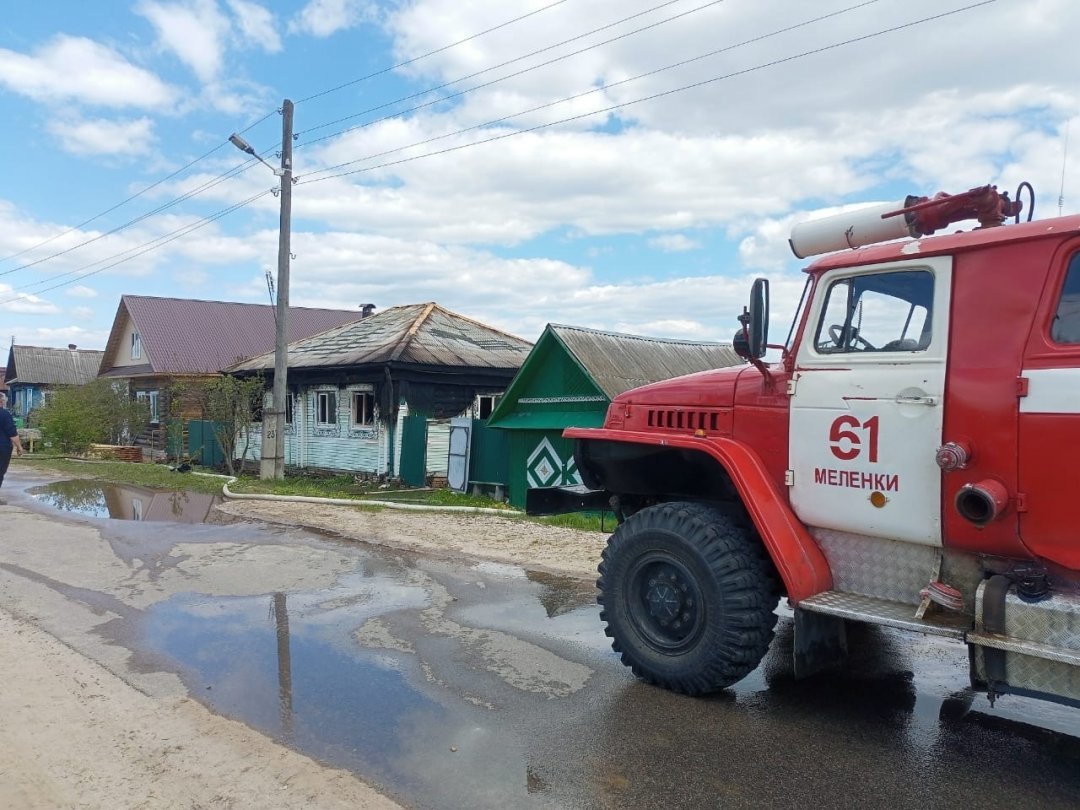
75	735
451	534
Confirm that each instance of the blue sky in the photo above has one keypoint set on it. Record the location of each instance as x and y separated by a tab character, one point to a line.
650	217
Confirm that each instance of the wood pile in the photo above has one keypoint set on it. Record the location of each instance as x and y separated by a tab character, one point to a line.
116	452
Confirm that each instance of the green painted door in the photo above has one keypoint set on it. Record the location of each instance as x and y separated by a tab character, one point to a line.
414	450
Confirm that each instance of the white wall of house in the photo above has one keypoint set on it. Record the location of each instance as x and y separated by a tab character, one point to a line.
124	353
332	439
310	441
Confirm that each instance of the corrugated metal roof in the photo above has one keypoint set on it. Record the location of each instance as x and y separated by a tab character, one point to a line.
422	334
40	365
619	362
189	336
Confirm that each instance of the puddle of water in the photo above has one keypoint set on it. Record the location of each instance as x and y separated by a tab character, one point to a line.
293	666
126	501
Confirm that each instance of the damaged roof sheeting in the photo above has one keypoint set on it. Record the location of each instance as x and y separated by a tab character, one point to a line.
415	334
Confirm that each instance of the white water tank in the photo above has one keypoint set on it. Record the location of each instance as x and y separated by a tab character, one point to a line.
850	229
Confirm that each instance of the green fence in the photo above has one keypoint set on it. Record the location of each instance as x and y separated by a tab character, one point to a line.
203	446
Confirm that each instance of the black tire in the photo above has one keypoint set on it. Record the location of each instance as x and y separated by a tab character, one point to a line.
688	597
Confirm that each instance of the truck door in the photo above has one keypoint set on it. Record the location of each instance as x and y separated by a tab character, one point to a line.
1050	420
866	410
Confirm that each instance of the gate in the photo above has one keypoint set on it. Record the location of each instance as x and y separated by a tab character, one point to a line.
203	446
414	450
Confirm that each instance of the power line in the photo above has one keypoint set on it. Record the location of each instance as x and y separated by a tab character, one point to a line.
504	64
408	62
135	252
147	247
221	178
206	155
642	100
601	88
122	203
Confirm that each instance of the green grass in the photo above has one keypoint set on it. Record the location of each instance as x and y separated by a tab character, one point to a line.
338	486
120	472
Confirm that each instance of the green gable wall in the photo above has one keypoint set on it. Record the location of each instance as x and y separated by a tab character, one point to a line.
550	392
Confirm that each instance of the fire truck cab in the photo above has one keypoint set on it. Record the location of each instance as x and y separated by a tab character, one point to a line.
910	461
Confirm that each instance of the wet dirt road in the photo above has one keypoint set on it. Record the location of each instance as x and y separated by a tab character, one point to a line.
470	684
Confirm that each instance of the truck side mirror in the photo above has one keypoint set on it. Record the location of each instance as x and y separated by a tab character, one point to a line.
749	342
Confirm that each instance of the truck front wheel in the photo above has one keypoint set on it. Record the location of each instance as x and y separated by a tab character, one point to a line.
688	597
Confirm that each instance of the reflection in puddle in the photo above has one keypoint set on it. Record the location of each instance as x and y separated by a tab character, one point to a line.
330	673
286	669
126	501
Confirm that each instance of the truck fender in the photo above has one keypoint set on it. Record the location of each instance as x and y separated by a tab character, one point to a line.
798	559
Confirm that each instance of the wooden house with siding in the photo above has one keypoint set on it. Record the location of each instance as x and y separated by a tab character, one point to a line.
376	396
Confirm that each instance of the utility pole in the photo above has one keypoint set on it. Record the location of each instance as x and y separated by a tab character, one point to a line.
274	466
272	463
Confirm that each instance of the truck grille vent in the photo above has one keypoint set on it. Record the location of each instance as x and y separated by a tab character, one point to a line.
684	420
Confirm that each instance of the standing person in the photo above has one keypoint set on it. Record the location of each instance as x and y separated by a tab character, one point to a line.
9	437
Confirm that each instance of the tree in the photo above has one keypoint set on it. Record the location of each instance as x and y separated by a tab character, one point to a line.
101	411
231	404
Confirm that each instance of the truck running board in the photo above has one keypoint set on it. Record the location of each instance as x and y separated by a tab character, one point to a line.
872	610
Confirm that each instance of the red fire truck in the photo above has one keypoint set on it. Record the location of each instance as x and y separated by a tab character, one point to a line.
911	459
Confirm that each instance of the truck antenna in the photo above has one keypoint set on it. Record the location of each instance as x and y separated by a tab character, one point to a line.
1064	161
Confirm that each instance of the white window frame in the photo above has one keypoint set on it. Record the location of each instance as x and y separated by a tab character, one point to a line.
494	404
362	416
136	346
319	422
151	398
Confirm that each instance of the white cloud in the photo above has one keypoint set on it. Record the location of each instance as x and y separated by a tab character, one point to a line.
25	303
62	336
104	137
323	18
194	31
674	243
79	69
81	291
83	313
256	25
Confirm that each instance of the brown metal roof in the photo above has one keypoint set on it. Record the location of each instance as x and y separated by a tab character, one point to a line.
422	334
40	365
189	336
619	362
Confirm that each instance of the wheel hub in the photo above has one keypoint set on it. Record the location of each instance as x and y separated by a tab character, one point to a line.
668	610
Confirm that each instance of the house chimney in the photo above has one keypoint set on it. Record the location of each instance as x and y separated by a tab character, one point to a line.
72	346
367	310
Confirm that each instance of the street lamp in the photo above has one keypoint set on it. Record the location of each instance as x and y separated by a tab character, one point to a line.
272	464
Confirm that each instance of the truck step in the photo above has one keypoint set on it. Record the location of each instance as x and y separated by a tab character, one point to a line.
901	615
1035	649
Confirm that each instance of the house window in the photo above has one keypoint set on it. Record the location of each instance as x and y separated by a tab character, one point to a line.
289	407
136	346
485	404
363	409
151	399
326	408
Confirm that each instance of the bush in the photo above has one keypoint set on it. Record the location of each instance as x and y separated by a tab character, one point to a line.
76	417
